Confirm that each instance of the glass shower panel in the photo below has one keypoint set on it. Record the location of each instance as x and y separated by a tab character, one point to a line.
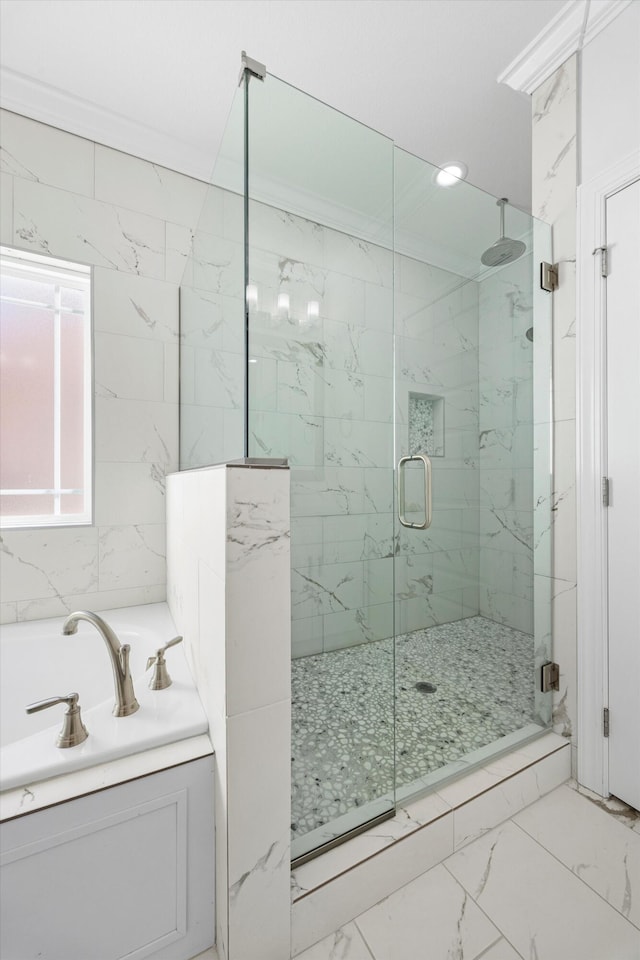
320	303
467	655
211	261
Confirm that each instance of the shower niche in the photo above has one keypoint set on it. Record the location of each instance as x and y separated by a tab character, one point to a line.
426	424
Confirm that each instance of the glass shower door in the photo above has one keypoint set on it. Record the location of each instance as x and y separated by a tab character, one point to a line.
472	620
320	308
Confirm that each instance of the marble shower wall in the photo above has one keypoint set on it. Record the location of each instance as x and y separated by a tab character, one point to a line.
132	221
506	446
436	319
554	119
321	392
321	395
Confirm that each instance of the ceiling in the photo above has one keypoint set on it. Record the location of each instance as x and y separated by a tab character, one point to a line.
157	77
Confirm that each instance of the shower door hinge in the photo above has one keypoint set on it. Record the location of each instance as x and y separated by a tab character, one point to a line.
605	722
550	677
604	261
548	276
606	492
253	67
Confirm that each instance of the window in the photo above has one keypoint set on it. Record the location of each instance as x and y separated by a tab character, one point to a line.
45	391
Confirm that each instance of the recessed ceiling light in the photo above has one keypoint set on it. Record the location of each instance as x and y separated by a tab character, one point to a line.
451	174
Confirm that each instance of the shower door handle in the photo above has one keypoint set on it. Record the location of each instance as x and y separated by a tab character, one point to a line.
426	462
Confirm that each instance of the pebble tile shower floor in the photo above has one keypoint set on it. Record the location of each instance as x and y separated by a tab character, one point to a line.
342	716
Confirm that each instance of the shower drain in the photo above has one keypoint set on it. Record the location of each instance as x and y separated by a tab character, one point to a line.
423	687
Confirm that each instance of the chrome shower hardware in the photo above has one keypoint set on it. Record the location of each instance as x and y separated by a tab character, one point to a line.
73	729
126	702
504	250
160	679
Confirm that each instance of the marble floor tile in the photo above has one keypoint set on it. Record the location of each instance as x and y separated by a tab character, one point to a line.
596	848
617	809
502	950
542	908
432	916
345	944
523	902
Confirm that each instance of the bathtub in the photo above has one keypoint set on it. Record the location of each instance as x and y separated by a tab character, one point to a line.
128	813
37	662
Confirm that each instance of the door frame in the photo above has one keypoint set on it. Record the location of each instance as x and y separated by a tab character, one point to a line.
592	601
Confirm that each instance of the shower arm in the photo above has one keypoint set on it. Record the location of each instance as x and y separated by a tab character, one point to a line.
502	204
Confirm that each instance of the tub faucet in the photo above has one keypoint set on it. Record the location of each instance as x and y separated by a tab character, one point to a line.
126	702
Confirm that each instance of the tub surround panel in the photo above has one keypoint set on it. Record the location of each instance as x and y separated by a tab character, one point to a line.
554	116
49	793
170	883
66	196
228	587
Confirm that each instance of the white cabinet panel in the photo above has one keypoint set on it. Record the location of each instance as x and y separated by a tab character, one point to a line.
123	872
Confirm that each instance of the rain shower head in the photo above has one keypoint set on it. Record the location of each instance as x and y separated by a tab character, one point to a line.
503	250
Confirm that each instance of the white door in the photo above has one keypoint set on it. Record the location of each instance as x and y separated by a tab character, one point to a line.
623	468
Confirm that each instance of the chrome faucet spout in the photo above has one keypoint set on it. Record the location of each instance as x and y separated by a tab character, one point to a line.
126	702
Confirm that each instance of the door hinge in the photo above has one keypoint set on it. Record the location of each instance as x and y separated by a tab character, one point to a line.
604	260
548	276
606	492
605	722
549	677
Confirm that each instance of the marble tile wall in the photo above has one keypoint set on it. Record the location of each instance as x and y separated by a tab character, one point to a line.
228	533
132	222
436	321
321	392
554	174
506	446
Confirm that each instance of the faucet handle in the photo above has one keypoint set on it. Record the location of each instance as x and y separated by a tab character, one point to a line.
73	729
161	679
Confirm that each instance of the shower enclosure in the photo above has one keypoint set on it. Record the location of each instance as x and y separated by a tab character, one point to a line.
336	311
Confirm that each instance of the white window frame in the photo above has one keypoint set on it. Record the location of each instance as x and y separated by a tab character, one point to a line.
60	272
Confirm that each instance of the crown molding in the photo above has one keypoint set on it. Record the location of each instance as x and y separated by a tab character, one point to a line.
577	23
57	108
